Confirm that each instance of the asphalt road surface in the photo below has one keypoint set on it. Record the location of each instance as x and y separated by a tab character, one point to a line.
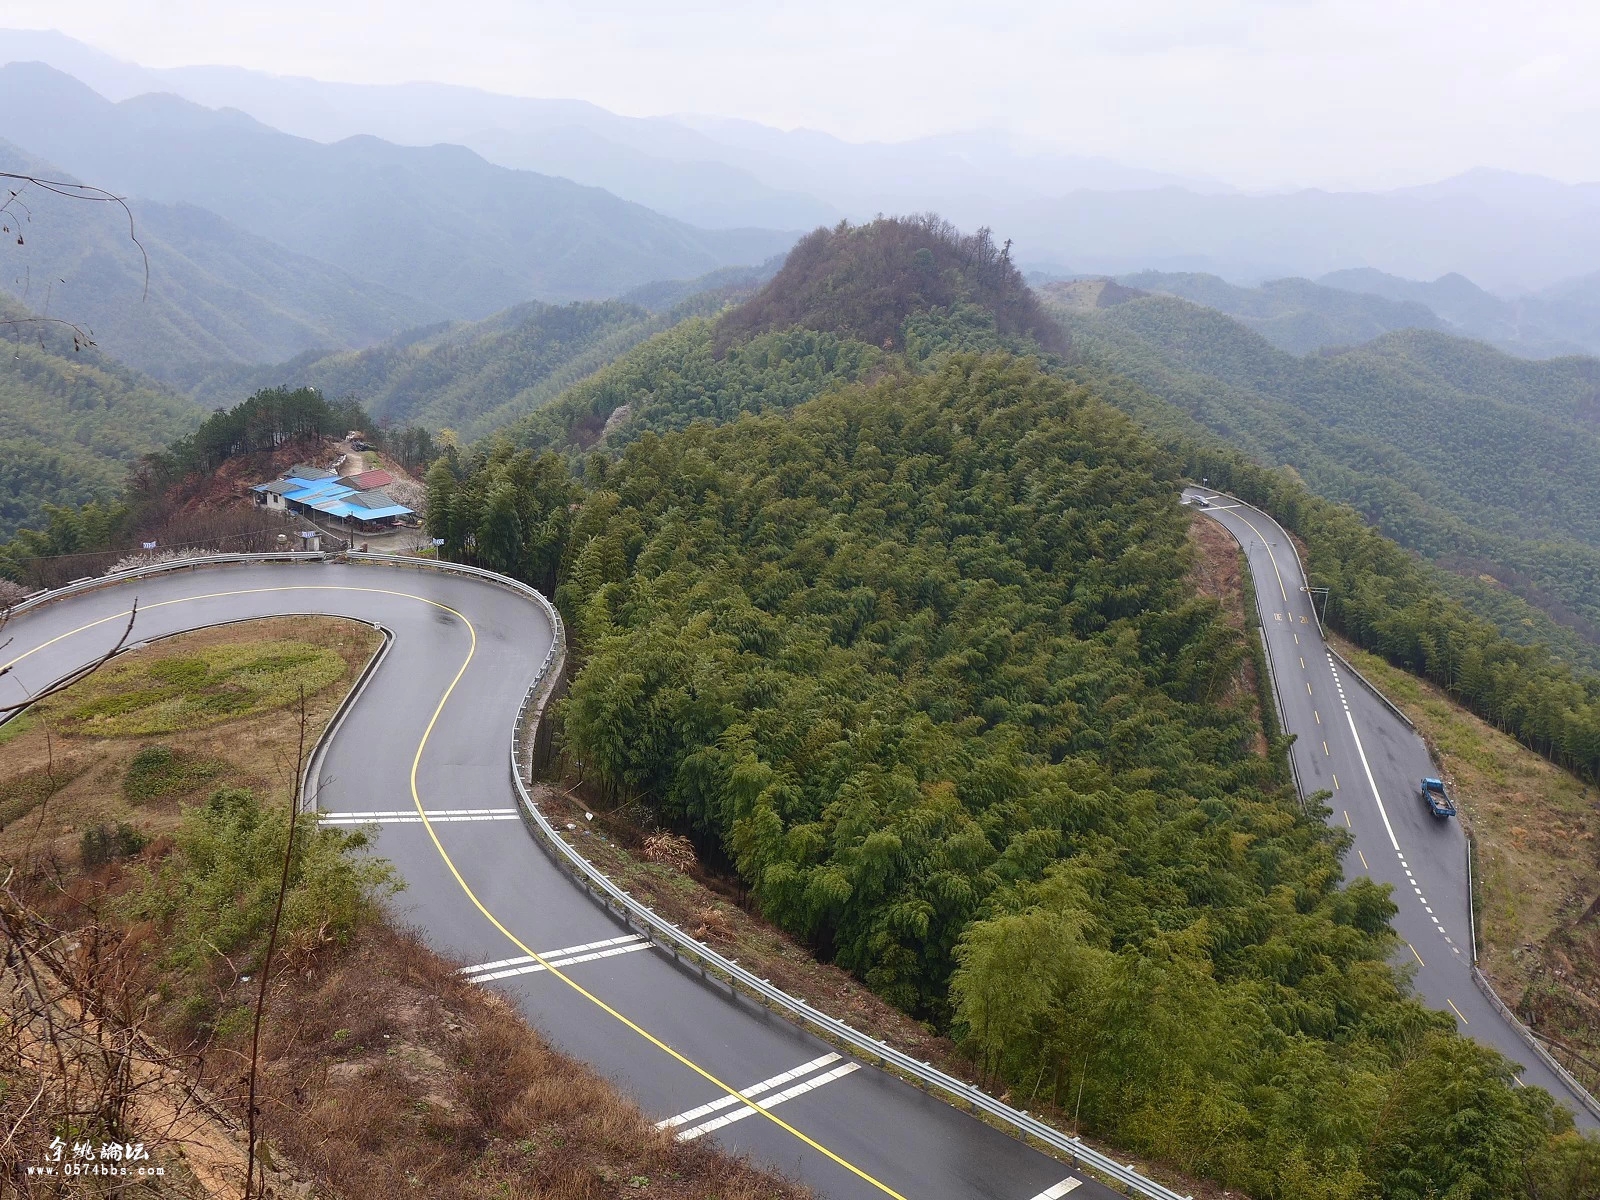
432	731
1350	744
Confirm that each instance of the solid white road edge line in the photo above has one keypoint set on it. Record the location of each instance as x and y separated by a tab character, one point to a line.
799	1089
1057	1190
755	1089
1373	783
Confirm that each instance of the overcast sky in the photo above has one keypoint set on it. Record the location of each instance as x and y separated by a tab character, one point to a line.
1335	93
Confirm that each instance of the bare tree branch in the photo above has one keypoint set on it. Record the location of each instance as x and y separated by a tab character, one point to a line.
62	684
74	191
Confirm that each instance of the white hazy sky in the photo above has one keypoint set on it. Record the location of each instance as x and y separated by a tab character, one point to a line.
1335	93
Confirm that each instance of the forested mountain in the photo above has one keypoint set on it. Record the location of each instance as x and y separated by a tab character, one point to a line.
71	421
902	634
1295	315
476	377
437	224
1487	463
866	281
468	376
1563	318
848	301
216	293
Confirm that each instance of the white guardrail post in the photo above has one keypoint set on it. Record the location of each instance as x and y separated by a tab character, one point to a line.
669	936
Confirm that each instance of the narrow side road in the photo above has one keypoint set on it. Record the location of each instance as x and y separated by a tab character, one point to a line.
1349	743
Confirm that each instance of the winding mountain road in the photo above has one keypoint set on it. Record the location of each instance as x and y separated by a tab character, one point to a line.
1349	743
422	753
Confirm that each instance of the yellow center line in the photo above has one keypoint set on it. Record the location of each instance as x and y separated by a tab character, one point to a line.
321	587
470	894
1456	1010
1271	557
1413	950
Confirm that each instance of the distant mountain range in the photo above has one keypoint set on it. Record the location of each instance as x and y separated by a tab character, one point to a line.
1066	213
215	291
1348	308
264	245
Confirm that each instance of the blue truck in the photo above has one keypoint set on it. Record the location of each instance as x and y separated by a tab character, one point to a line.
1437	799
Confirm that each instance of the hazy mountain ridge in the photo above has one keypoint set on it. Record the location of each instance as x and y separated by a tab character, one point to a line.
1563	318
471	377
1293	314
1067	213
1347	308
477	377
215	292
437	223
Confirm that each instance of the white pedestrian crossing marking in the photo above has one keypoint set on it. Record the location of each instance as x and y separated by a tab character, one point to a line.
524	964
408	816
747	1097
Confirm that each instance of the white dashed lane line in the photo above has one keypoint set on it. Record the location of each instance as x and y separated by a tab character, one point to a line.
749	1094
524	964
1383	812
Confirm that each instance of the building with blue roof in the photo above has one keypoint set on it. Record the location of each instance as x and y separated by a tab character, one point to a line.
315	492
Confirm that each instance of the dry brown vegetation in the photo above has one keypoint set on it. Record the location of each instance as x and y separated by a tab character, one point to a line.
1218	572
84	776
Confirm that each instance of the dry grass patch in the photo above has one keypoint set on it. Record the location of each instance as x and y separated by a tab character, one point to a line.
63	772
389	1075
1218	572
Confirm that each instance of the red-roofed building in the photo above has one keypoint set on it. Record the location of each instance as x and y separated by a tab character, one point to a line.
367	480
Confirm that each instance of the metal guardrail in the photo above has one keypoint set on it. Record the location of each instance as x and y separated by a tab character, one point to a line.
1579	1092
682	946
652	924
1534	1044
